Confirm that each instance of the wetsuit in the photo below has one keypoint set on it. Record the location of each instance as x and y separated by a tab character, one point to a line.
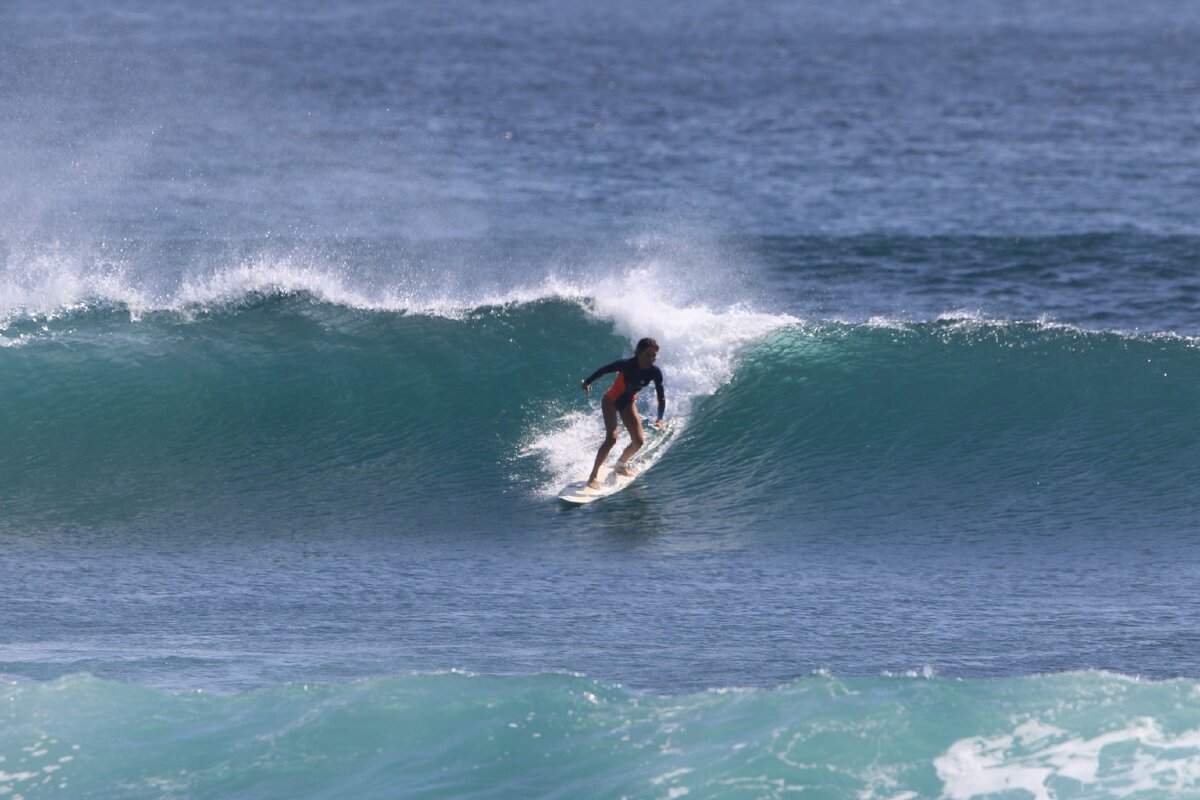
631	379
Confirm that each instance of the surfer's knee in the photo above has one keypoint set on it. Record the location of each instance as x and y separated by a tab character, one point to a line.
610	437
638	439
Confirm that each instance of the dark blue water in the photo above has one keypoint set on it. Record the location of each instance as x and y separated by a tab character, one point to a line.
294	305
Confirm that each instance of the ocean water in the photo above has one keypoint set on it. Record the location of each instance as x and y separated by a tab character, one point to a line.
295	300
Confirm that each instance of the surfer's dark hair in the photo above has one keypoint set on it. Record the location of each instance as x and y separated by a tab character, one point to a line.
646	344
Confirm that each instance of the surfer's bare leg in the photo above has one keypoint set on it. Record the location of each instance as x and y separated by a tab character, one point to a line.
610	439
633	424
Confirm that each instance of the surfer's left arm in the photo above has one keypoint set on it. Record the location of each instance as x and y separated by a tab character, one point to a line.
662	398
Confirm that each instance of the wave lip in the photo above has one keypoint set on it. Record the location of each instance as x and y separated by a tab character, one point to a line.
453	735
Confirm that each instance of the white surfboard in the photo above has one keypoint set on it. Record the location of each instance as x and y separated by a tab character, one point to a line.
611	481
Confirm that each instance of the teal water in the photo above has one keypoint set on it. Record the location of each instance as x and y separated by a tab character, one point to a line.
277	397
1082	734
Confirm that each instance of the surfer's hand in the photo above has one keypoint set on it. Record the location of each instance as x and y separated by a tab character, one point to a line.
658	423
585	386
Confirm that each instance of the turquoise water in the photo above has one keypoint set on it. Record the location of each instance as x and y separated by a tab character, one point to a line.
1082	734
294	305
280	397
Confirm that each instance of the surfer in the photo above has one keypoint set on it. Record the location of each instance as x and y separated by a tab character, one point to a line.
633	375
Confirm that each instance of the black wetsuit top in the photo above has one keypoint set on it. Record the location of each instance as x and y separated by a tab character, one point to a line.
631	379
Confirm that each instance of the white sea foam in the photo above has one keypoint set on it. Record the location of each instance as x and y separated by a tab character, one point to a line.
699	345
1035	756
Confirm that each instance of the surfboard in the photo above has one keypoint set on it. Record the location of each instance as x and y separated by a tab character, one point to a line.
611	481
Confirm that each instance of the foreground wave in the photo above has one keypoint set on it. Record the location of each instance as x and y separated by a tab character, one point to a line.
456	735
288	400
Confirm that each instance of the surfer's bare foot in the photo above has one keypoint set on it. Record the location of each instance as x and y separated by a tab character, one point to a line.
594	483
625	469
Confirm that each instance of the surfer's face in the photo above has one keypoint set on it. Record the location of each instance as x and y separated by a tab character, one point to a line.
647	356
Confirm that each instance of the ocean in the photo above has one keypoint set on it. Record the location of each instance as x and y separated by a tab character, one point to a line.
295	300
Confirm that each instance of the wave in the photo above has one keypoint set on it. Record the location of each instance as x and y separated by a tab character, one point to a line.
269	387
458	735
282	396
972	417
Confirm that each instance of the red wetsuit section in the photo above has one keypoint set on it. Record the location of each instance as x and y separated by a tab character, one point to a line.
631	379
617	389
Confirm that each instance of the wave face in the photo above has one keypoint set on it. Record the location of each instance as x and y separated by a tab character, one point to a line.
281	396
975	419
455	735
284	400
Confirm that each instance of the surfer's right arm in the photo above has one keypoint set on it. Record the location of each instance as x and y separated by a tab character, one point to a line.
613	367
